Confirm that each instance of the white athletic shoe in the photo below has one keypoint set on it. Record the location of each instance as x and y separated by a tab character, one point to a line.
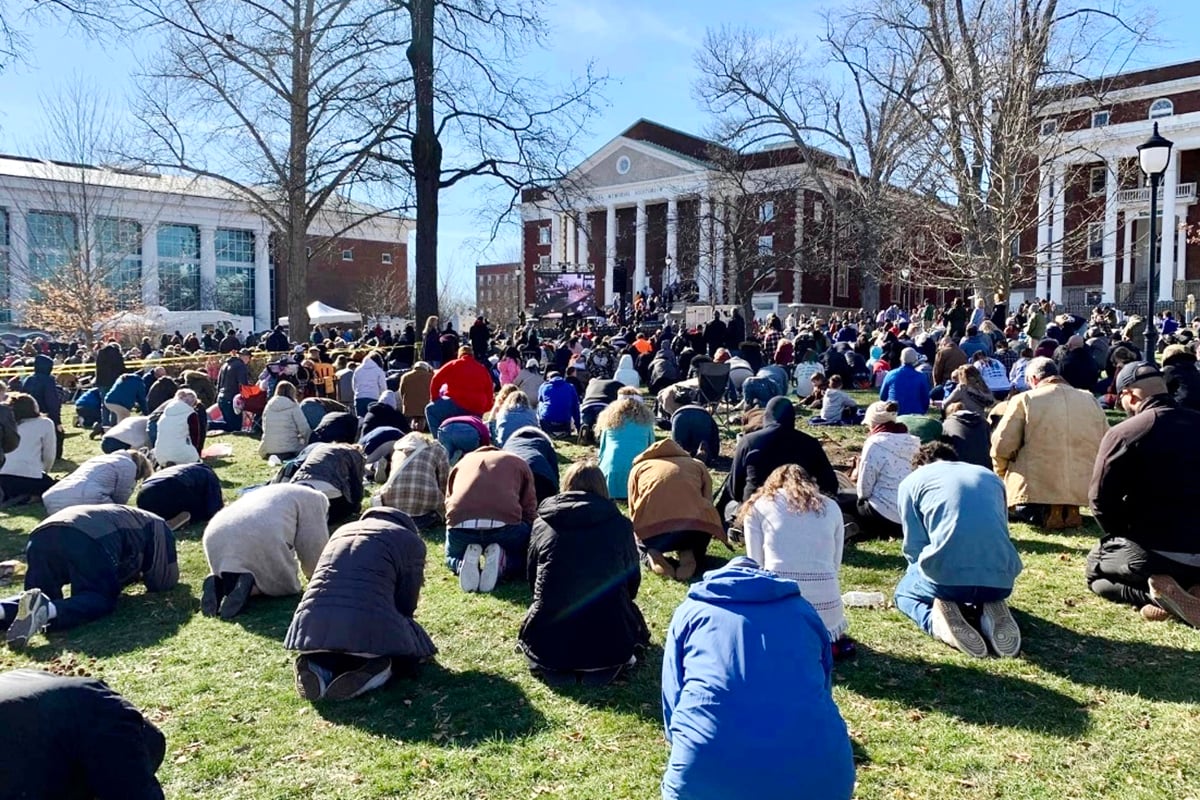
493	565
33	614
950	627
1000	629
468	574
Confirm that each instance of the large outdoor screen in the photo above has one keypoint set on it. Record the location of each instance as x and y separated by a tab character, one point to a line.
565	293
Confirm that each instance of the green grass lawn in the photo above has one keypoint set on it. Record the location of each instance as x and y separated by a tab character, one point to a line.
1100	704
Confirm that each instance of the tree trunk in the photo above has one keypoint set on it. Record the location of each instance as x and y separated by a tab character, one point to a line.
296	234
426	159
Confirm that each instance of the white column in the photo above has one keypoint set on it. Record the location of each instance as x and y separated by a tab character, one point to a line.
572	228
1181	252
582	238
639	252
150	291
720	274
704	274
556	242
1127	250
1057	232
262	281
208	266
1109	284
797	276
18	262
610	252
1166	275
672	241
1042	287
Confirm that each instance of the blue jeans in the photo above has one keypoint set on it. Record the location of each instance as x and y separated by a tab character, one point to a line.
513	538
441	410
107	418
233	420
360	406
58	556
458	439
915	595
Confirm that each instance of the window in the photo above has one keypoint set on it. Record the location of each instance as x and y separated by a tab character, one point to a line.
1095	246
818	211
766	211
5	288
387	258
544	235
235	271
1014	249
347	255
1100	118
543	261
1049	127
179	267
52	244
119	255
842	280
1097	180
1162	107
766	245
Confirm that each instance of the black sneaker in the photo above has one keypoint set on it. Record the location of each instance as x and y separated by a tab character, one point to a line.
310	682
371	675
235	600
33	614
210	596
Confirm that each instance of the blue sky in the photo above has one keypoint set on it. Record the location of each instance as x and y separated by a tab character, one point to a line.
646	49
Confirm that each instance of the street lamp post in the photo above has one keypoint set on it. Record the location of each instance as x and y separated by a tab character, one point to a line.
1154	155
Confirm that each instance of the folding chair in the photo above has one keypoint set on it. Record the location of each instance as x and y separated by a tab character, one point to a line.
713	380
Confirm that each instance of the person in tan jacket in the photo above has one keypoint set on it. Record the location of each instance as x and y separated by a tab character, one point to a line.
414	394
1044	448
671	502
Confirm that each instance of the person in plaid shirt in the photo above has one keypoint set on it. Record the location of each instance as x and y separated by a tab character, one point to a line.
416	484
771	338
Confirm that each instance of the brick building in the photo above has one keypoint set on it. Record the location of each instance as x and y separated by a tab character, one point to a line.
182	243
1091	240
499	295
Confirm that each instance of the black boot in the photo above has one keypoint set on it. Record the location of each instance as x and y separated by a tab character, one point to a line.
238	589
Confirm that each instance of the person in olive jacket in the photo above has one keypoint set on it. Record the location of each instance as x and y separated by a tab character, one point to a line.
583	568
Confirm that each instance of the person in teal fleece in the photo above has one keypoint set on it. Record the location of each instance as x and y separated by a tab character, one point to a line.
626	429
960	557
747	680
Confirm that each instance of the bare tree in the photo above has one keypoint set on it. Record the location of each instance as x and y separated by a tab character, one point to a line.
378	296
477	114
288	102
16	16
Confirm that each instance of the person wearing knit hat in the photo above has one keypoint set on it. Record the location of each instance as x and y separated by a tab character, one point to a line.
905	386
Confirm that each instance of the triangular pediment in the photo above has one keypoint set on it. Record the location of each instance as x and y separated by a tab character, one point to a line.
624	161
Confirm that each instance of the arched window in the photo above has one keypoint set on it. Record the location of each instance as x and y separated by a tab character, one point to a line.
1161	107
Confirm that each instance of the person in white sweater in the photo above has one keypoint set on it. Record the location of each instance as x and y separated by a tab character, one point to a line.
887	458
23	475
795	532
369	382
285	428
102	479
179	432
253	545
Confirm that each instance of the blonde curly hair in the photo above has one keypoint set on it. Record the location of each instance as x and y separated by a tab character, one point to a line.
625	408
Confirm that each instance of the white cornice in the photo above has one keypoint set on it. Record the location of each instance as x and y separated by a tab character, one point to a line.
1151	91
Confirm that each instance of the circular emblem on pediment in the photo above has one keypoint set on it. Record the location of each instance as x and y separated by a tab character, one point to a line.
623	165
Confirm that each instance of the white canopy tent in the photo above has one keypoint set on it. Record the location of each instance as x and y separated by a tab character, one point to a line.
321	314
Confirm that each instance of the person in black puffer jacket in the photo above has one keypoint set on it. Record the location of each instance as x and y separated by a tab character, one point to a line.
968	433
1183	379
583	569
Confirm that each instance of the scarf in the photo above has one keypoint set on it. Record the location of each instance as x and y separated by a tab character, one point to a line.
888	427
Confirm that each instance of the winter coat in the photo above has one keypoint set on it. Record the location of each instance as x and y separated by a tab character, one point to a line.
535	449
315	409
664	371
886	460
1079	369
671	492
946	361
177	430
34	456
530	382
233	376
285	429
9	438
265	532
972	399
383	415
691	425
138	544
110	365
364	592
626	374
129	392
431	348
416	483
967	432
747	679
42	387
465	381
584	573
558	403
194	488
1045	446
201	384
758	454
618	448
100	479
491	484
509	420
1183	379
340	465
161	391
908	388
369	380
336	427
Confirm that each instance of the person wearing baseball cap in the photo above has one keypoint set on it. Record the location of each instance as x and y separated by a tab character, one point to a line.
1149	554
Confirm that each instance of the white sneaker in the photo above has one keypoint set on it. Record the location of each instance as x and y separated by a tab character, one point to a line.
33	614
493	565
468	573
1000	629
951	627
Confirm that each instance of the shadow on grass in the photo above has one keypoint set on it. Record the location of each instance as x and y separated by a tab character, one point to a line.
458	709
854	556
267	617
632	694
975	696
1041	547
139	621
1149	670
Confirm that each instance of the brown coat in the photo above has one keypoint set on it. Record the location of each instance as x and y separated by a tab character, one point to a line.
1046	443
946	361
491	484
669	492
414	392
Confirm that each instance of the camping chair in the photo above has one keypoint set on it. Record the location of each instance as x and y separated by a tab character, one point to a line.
713	380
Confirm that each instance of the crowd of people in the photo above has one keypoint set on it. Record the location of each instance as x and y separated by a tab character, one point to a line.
981	419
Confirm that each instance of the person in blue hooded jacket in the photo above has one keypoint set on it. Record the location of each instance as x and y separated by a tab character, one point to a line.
905	386
747	679
128	393
558	405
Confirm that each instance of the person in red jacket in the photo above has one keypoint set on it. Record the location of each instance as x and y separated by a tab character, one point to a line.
462	387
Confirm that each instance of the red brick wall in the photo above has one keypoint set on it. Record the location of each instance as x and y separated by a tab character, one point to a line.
334	281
